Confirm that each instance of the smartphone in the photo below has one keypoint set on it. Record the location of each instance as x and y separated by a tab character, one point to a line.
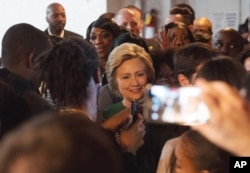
179	105
134	110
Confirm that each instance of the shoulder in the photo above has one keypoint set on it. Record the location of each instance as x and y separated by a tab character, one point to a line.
112	110
46	31
105	89
17	82
69	34
167	156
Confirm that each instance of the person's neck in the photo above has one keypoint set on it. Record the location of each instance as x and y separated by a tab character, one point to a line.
24	73
59	34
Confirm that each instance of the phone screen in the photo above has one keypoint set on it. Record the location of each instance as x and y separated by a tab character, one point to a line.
180	105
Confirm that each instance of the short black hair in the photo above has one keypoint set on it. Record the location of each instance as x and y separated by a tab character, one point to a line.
189	57
185	12
184	5
20	40
223	68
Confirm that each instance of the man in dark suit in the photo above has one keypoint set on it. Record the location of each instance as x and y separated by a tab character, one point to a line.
56	18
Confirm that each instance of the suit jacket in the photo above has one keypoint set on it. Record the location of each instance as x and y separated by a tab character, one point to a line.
20	100
27	91
67	34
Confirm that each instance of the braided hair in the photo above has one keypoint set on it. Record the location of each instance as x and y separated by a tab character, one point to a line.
66	71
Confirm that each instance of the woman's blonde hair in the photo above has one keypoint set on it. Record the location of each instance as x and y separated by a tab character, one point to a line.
124	52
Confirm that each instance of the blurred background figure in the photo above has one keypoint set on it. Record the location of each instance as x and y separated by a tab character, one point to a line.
179	14
56	19
202	30
130	17
138	14
244	30
244	27
189	7
228	42
173	35
108	15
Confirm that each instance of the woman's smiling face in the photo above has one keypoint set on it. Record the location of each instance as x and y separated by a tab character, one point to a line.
131	77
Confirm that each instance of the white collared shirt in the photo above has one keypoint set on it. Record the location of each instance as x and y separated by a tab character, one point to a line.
61	35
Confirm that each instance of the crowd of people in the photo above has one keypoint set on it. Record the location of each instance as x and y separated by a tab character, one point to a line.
66	99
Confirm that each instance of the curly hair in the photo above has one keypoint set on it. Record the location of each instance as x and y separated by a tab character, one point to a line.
124	52
66	71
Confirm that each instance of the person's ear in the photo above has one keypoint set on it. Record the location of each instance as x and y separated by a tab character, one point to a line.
47	19
31	60
183	80
191	28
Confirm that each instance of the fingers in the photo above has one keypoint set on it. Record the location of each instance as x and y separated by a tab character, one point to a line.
158	36
218	90
132	137
219	97
139	121
162	38
138	126
166	34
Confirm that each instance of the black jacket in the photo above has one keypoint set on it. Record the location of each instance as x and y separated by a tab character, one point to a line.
67	34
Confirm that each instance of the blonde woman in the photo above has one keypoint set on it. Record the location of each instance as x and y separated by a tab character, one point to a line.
129	69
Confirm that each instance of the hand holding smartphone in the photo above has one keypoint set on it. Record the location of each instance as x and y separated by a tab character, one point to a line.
179	105
134	110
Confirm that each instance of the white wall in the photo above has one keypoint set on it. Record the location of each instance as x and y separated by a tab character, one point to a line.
245	10
207	8
223	10
80	13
